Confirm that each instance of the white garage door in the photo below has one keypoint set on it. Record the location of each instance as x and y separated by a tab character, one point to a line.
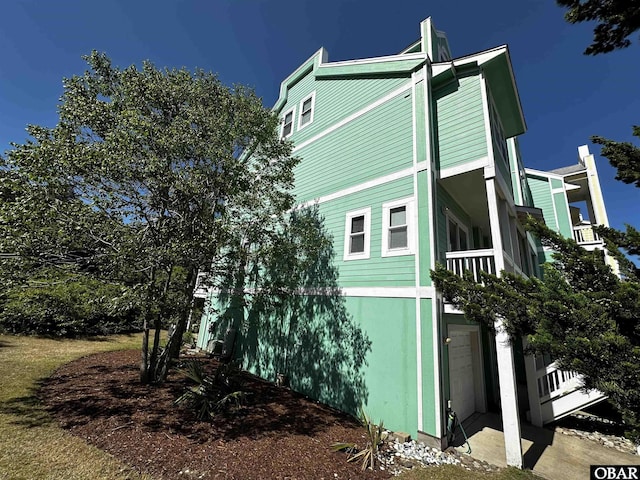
461	386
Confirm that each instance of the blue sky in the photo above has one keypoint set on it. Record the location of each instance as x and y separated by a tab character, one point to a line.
566	96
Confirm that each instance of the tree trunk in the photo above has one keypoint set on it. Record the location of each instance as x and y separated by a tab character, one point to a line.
172	350
144	354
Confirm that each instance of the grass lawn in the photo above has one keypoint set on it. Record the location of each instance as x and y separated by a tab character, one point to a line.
31	445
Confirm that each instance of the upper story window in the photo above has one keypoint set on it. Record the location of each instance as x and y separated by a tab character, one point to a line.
307	106
457	235
357	234
287	123
397	228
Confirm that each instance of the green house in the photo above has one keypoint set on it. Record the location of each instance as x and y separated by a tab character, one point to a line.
409	160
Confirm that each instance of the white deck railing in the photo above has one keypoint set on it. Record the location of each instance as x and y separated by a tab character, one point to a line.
475	261
585	234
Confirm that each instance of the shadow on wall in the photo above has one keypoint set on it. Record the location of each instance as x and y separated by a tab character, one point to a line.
292	319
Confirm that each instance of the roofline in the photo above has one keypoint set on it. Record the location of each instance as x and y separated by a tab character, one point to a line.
542	173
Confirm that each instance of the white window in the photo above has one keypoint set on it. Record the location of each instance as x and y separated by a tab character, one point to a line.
287	123
397	228
307	107
457	235
357	236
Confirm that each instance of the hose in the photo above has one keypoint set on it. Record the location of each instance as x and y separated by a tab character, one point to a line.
452	421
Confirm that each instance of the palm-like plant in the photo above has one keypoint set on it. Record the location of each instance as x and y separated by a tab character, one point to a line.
375	436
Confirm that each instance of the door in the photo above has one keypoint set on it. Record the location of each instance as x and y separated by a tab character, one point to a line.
462	385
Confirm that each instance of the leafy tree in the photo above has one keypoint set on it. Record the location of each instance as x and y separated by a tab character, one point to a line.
580	313
618	19
624	156
149	168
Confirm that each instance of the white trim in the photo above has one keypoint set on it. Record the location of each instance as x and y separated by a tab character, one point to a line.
555	209
407	172
465	167
412	238
410	249
311	96
423	292
353	116
388	58
487	120
433	226
291	111
390	292
542	173
366	213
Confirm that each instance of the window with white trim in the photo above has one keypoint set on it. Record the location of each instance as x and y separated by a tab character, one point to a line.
307	107
357	236
287	122
397	228
457	235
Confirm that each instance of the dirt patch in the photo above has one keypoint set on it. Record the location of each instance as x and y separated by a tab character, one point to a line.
278	435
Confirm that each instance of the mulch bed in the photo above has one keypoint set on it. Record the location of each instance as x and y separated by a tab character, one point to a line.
277	435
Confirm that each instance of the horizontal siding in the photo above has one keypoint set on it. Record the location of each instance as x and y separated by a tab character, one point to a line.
541	193
377	271
335	100
374	145
460	123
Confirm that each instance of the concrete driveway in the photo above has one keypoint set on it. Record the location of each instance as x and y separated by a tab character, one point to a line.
550	455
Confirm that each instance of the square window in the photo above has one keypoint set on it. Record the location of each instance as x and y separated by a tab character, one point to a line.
357	234
307	106
397	237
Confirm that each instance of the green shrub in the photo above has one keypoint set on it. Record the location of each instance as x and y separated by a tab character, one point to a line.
212	393
69	307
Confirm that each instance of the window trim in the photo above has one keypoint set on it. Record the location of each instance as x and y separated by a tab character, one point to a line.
291	111
311	96
409	203
366	212
461	226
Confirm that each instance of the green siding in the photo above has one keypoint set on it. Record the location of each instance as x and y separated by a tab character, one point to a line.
460	123
429	407
542	198
377	270
564	216
556	183
343	351
424	229
335	100
371	146
391	373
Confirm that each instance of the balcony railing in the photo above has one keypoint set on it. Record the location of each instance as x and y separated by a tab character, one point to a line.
585	234
475	261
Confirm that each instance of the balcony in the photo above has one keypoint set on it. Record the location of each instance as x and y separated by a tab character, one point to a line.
475	261
585	235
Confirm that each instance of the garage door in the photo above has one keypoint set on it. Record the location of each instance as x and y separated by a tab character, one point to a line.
461	386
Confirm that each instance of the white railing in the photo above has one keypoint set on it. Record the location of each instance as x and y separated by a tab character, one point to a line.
584	234
553	382
475	261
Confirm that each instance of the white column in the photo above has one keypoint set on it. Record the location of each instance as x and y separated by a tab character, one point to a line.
504	350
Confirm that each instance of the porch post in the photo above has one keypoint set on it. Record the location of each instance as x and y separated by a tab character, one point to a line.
504	349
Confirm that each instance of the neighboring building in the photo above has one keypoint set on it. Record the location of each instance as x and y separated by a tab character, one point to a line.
412	159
